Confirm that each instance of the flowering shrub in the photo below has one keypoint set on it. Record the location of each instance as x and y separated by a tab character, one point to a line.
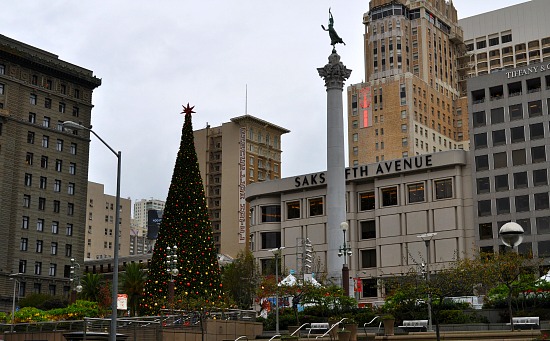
30	314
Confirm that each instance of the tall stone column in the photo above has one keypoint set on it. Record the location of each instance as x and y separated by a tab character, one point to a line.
334	74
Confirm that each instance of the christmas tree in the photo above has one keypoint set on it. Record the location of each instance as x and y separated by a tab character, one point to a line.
185	224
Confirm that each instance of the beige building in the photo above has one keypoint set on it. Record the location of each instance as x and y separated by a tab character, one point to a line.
389	205
506	38
410	101
100	213
231	156
43	169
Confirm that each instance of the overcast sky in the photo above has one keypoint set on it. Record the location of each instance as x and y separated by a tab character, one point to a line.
154	56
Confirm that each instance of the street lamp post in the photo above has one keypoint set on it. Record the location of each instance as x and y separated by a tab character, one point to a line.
15	282
74	288
345	251
277	253
427	237
74	125
172	268
511	235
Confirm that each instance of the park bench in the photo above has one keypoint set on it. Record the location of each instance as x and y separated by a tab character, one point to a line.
414	325
317	328
526	322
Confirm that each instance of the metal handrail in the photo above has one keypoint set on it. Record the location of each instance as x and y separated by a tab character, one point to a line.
331	327
241	337
367	323
297	330
274	336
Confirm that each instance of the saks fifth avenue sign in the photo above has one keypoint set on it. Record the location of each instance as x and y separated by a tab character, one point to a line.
382	168
527	71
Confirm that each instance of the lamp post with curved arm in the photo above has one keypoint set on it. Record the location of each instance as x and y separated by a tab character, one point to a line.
76	126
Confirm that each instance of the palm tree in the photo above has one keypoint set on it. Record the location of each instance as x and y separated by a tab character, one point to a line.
132	282
91	286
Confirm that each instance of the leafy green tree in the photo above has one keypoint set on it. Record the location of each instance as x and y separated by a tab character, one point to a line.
132	283
457	279
509	269
240	279
91	286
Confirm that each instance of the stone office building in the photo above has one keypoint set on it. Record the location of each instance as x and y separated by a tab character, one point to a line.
389	204
43	169
509	126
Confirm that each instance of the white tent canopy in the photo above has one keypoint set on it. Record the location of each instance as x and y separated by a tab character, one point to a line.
290	280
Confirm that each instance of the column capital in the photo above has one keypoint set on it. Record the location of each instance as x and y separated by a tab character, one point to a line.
334	73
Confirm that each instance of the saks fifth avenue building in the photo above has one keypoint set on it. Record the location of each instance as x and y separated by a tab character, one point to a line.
388	204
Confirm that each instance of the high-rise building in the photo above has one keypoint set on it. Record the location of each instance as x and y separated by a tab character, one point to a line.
410	101
231	156
43	169
510	155
100	227
141	207
509	37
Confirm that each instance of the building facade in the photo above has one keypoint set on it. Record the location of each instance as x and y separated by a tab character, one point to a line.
510	136
44	169
231	156
100	213
139	241
412	100
389	205
510	37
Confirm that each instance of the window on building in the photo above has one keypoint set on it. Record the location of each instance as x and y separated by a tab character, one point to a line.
368	258
535	108
501	182
271	214
315	207
416	192
271	240
368	229
53	248
520	180
61	107
45	141
70	188
72	168
518	157
69	231
40	225
443	189
33	99
43	182
39	244
73	148
293	209
541	201
503	205
59	145
24	245
517	134
536	131
499	137
540	177
28	179
25	223
480	140
538	154
485	231
499	160
29	159
515	112
56	206
479	119
55	227
46	122
482	162
42	204
522	203
70	209
497	115
58	165
366	201
483	208
37	268
389	196
22	266
68	250
483	185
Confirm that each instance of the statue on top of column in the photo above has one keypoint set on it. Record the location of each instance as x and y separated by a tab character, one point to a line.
334	37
